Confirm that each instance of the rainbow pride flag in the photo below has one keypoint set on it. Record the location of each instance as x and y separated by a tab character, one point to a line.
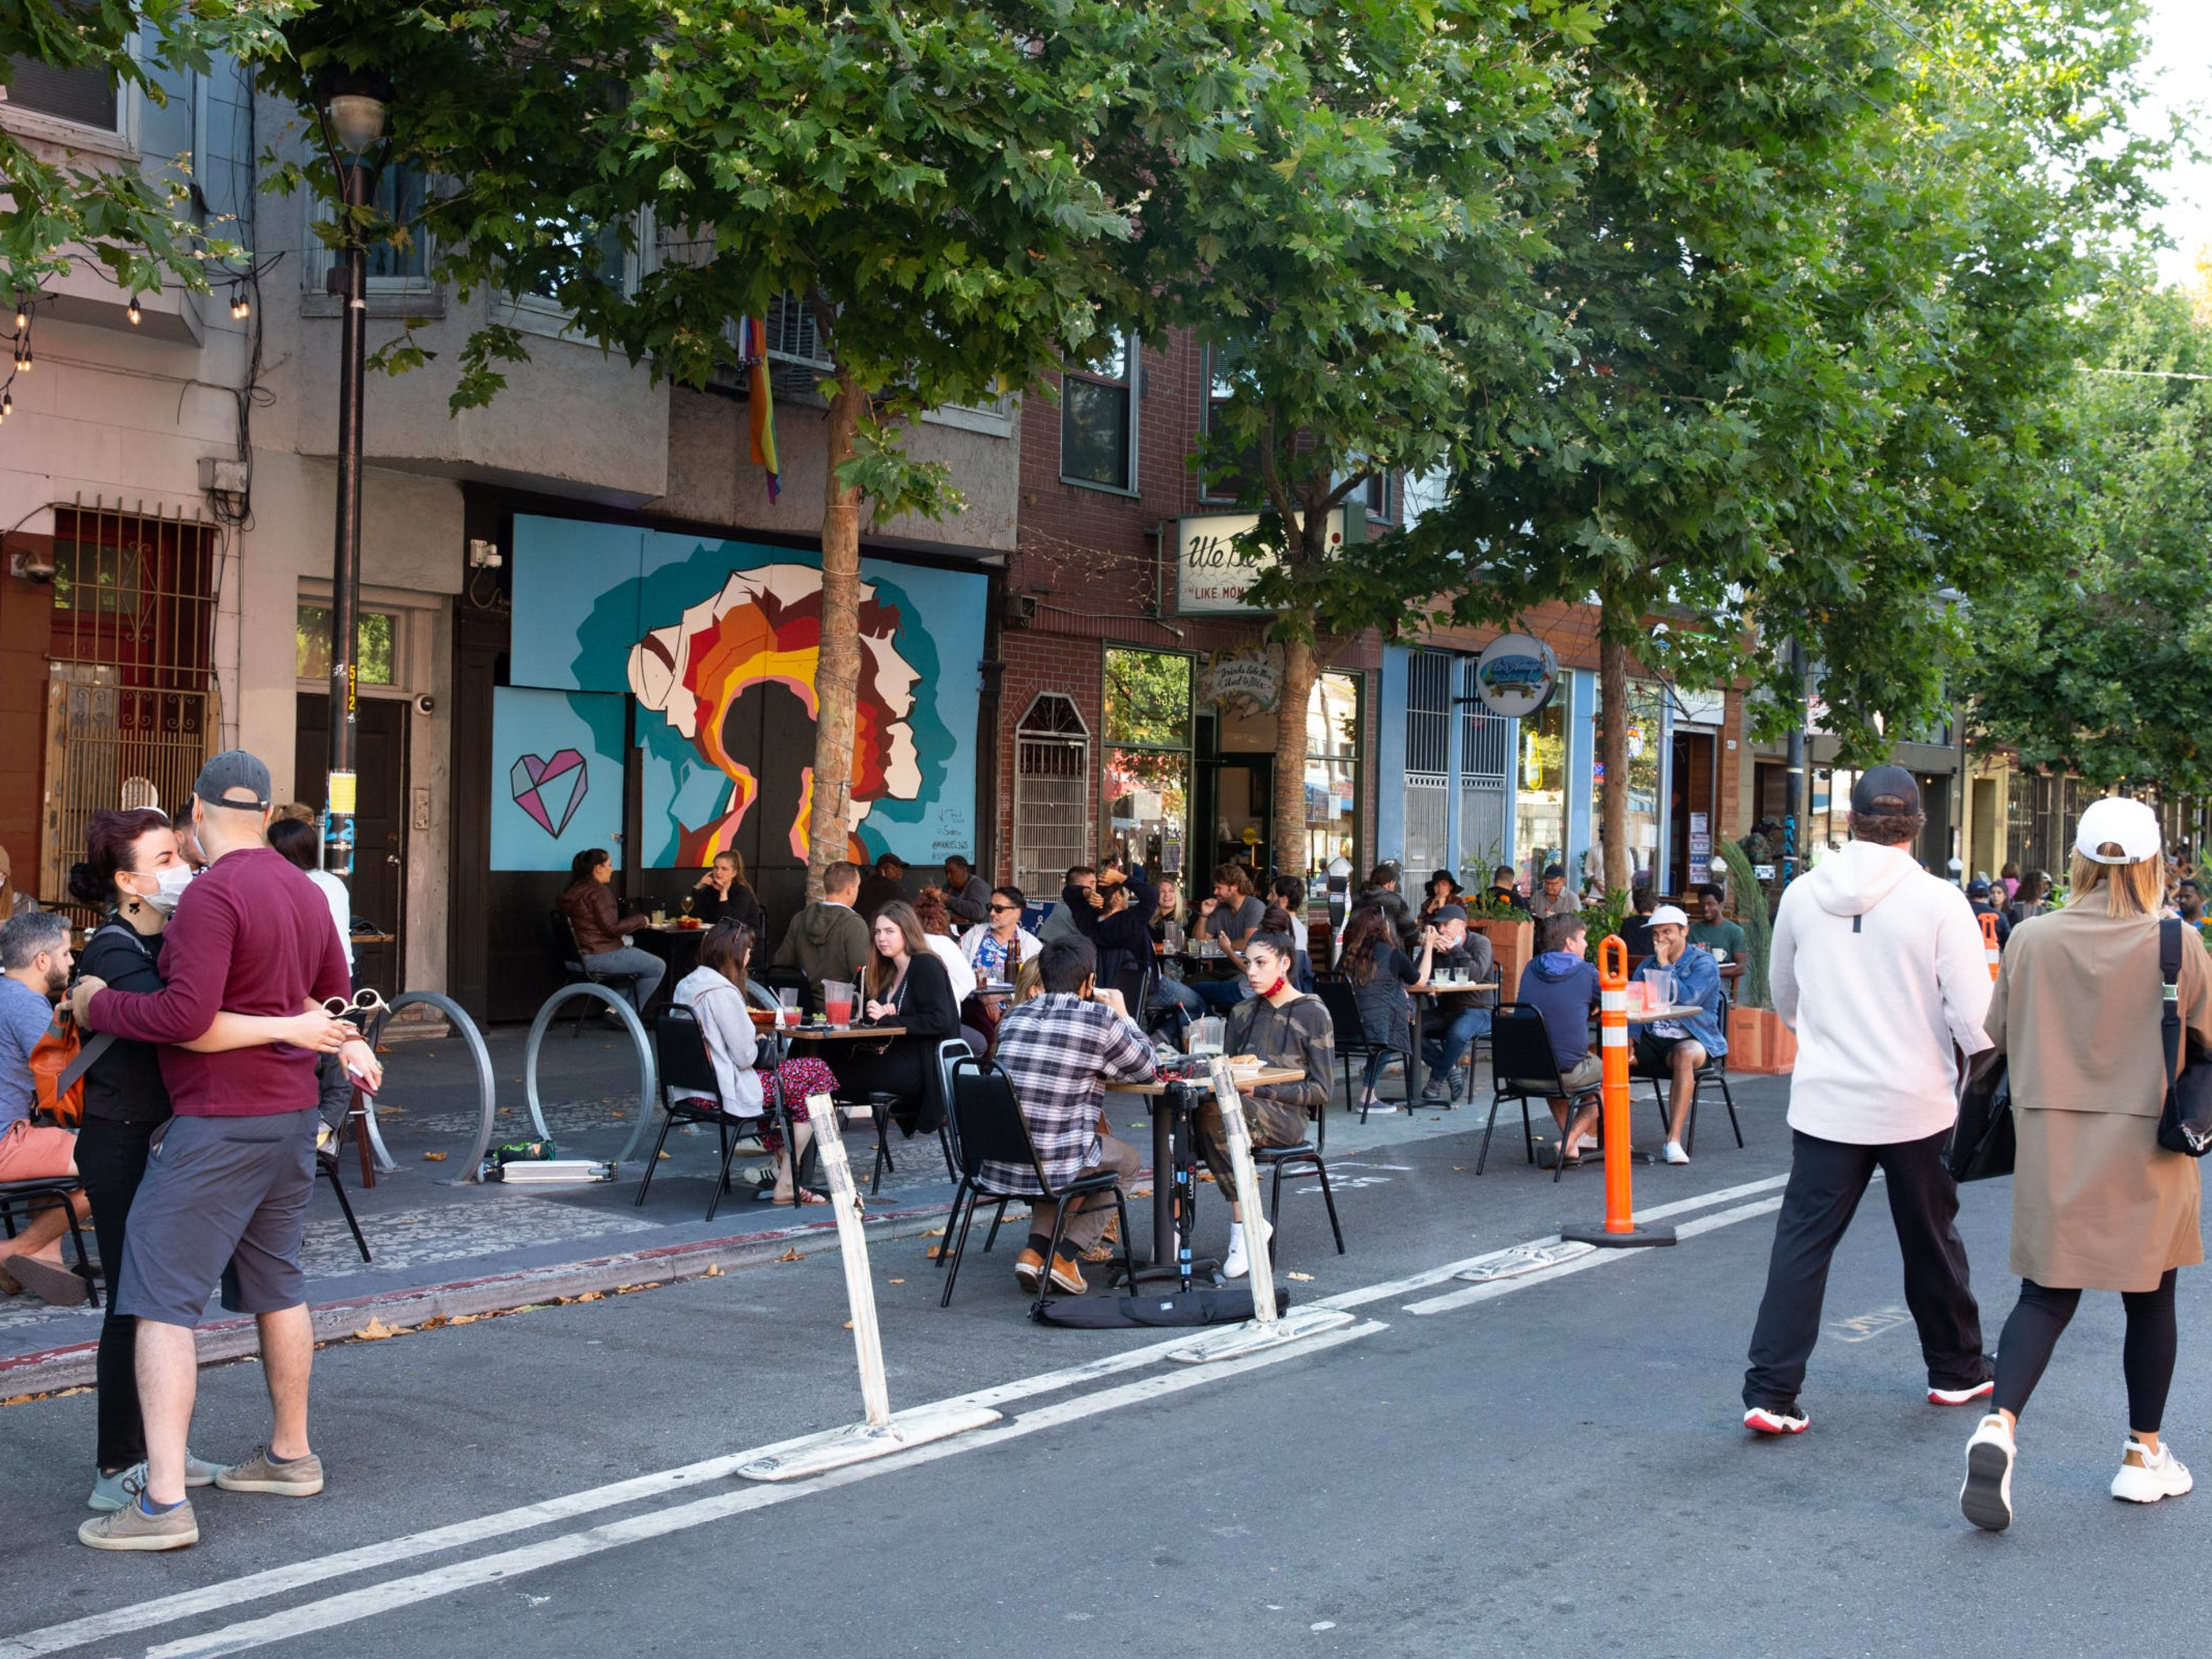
752	355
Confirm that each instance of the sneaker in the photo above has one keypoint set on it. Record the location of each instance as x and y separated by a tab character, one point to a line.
1433	1091
1985	1499
1377	1109
301	1478
110	1492
2160	1474
1777	1419
1676	1154
1067	1276
132	1529
1238	1262
48	1281
1965	1396
1029	1268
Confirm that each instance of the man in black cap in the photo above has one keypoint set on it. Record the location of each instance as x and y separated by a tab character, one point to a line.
1552	898
1977	894
226	1195
1455	1018
886	883
1881	969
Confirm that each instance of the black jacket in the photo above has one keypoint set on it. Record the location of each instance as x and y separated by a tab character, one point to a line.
125	1083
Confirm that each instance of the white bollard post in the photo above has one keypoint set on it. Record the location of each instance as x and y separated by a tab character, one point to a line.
1267	1328
881	1432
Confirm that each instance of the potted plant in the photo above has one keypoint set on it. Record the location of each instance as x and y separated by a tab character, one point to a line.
1511	936
1759	1042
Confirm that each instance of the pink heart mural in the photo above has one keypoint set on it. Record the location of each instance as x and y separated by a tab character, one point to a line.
551	790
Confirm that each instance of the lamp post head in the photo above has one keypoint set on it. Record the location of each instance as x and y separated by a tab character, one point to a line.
353	104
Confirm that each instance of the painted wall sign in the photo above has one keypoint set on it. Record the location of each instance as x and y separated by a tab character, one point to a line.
1212	573
1515	675
1248	681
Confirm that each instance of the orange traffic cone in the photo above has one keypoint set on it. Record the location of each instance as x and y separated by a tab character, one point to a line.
1619	1229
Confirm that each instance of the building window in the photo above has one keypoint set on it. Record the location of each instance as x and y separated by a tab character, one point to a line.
1375	495
1098	418
1333	728
1051	791
1486	782
1428	760
1539	798
399	253
85	96
1148	759
1241	482
375	635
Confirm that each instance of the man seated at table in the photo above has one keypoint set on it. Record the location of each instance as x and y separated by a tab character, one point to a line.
1712	928
1502	889
1636	930
885	883
1552	898
1079	905
1455	1018
828	940
1675	1048
1561	985
1060	1050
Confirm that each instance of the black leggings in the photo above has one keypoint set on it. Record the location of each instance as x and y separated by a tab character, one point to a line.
110	1160
2147	1355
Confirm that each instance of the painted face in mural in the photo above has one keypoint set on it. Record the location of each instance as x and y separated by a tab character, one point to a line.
735	675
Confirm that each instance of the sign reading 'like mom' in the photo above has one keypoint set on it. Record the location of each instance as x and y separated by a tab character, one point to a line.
1213	573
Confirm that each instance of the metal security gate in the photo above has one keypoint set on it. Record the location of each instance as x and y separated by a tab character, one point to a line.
1052	796
1428	765
1486	746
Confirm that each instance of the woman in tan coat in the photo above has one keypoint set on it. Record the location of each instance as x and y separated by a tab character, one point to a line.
2097	1203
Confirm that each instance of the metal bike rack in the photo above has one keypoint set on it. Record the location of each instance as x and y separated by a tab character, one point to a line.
649	1086
487	1085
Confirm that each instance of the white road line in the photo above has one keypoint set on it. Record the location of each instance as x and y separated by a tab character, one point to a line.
375	1599
1497	1288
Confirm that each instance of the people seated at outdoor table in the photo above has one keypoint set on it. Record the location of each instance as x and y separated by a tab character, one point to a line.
1561	984
998	948
1712	928
723	895
1231	914
937	932
1285	1027
1675	1048
1636	929
1079	904
1455	1018
599	923
715	994
1381	891
1167	906
1118	933
905	986
1379	973
828	940
1552	898
1502	889
1443	888
967	894
1059	1051
886	882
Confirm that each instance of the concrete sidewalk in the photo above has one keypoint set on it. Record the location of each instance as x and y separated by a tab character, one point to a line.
446	1247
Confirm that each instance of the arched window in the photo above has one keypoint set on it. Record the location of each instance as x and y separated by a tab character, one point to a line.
1052	795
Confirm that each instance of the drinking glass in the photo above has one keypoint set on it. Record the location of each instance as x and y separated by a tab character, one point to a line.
786	1006
837	1002
684	905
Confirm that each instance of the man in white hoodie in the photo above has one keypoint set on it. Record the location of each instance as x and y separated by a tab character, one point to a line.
1879	968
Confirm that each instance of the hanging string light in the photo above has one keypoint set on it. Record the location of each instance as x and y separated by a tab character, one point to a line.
132	311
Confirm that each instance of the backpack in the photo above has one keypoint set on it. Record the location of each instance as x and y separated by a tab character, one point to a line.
49	1058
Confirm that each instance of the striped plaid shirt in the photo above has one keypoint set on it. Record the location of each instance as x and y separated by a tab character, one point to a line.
1060	1052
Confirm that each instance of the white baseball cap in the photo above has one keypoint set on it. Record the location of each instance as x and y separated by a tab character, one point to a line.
2131	825
1669	915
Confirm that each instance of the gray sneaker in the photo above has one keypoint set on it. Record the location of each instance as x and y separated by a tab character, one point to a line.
110	1492
132	1529
302	1477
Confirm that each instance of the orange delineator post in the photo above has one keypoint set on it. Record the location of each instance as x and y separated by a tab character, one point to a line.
1619	1228
1989	942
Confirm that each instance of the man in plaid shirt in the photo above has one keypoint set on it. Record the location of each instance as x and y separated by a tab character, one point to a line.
1060	1050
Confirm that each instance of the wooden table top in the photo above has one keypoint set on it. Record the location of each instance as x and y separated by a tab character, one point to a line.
1673	1010
1266	1074
835	1033
1425	989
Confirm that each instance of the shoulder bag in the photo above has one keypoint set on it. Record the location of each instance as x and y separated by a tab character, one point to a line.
1983	1145
2184	1125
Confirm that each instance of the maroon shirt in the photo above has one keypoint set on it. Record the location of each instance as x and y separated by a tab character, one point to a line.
252	935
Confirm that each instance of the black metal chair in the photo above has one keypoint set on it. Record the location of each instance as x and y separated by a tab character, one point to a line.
1306	1154
42	1192
1715	1070
1523	1067
326	1165
573	965
992	1130
1343	1004
687	1073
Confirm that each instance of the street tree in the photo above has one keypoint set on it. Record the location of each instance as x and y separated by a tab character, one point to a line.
1351	236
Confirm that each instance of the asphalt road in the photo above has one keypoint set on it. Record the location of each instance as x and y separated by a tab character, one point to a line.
1553	1465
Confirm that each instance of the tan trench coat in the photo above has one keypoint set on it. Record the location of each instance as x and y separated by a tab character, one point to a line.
2097	1203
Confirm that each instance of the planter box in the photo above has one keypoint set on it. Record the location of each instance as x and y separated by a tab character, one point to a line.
1759	1043
1512	943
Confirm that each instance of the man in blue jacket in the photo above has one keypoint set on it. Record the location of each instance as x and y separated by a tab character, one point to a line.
1675	1048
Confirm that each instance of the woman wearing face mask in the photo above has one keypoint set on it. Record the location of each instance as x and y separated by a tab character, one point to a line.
133	869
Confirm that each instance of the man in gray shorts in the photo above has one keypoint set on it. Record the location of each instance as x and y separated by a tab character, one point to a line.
228	1176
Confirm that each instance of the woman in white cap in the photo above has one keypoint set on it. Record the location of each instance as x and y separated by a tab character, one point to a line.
2097	1203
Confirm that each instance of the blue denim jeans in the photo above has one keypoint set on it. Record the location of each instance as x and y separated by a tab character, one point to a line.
1448	1041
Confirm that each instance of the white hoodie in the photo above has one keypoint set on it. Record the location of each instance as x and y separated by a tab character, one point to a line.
1880	968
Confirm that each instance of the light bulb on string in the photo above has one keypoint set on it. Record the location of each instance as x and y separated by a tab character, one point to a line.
23	316
132	311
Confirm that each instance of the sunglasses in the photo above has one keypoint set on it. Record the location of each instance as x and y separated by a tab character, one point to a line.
363	1002
1005	909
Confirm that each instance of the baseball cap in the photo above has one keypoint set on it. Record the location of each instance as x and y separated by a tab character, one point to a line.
1978	888
1668	915
227	773
1554	872
2129	824
1886	789
1448	912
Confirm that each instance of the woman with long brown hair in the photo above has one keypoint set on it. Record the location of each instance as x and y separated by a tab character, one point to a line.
1380	972
906	986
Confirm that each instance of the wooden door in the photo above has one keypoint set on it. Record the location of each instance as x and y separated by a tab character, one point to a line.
380	855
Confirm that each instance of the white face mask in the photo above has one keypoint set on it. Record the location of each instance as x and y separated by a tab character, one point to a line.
170	883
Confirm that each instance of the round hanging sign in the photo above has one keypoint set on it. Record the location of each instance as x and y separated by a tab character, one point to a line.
1515	675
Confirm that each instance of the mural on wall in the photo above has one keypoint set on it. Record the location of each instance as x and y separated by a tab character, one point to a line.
716	642
559	764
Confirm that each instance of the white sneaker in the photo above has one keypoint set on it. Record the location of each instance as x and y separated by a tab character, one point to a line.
1985	1499
1238	1261
2160	1474
1676	1154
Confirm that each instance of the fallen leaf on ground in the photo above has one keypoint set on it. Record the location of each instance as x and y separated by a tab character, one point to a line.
713	1271
933	1252
934	1232
384	1047
789	1255
848	1324
464	1319
668	1155
898	1281
433	1157
375	1331
1302	1279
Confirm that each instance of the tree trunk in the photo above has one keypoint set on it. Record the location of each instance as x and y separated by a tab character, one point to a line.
837	665
1613	749
1300	665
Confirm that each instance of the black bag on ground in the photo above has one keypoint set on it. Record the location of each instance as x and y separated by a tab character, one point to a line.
1230	1305
2184	1124
1983	1146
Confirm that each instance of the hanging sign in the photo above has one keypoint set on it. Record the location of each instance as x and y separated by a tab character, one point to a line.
1515	675
1212	572
1244	682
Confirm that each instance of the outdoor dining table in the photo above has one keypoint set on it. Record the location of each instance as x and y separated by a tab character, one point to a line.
1170	1103
677	945
1428	988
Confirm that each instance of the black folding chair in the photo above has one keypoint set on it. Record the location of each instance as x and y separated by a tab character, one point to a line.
1343	1004
1523	1068
1307	1154
42	1192
992	1130
679	1049
1715	1070
326	1165
579	973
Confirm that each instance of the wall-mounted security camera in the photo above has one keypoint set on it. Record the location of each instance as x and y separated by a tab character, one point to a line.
425	703
32	567
483	554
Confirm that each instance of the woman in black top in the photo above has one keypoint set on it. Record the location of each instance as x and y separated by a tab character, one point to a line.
1380	972
133	868
723	895
908	986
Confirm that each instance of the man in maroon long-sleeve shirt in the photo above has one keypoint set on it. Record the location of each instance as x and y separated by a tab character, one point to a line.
227	1181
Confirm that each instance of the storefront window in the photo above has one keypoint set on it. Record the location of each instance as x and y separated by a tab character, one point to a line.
1646	700
1333	726
1147	782
374	632
1540	802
